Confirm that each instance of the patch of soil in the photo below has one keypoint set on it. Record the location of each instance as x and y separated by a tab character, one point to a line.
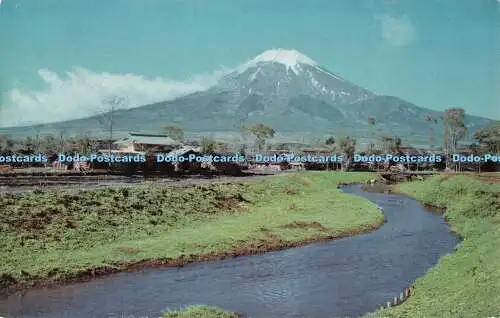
305	225
489	179
434	209
446	176
232	203
271	242
129	250
291	191
377	188
301	180
229	204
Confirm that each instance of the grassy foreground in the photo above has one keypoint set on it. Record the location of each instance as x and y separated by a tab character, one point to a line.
201	312
467	282
49	237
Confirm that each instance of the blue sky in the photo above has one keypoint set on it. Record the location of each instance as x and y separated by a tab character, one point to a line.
60	57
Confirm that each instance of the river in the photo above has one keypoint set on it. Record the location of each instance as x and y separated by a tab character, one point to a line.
346	277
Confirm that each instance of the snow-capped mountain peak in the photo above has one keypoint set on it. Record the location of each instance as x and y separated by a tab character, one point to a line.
291	59
287	57
282	75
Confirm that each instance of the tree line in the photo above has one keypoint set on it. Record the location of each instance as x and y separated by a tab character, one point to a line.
453	121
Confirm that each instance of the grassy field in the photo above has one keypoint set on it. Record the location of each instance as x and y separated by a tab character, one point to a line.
467	282
201	312
50	237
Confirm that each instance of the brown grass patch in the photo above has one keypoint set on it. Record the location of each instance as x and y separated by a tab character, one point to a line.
488	178
291	191
129	250
305	225
292	207
444	177
301	180
232	203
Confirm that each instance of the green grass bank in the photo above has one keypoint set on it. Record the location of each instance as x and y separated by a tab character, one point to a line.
467	282
55	237
201	312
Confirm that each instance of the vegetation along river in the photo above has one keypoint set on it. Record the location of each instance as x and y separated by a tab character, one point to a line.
345	277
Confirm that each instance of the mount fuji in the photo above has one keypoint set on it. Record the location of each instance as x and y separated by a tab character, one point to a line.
283	89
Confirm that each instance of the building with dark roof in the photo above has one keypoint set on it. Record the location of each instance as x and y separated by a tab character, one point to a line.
141	143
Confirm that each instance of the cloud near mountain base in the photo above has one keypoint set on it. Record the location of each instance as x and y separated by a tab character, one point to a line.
82	93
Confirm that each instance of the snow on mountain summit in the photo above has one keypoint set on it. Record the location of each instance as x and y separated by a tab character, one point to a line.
290	58
287	57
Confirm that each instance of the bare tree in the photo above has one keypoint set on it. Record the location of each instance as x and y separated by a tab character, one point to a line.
48	145
6	144
244	134
29	145
62	140
391	144
107	120
84	144
454	130
36	140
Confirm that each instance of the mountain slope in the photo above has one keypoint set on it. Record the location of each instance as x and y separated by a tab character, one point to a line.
283	89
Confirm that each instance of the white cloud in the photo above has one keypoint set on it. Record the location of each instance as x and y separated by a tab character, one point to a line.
81	93
397	30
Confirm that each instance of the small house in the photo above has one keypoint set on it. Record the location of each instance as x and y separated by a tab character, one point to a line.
183	159
139	142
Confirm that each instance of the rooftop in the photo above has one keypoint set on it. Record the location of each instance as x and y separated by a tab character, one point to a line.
184	150
148	139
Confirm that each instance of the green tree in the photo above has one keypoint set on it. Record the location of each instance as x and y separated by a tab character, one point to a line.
387	143
330	142
222	147
262	133
391	144
48	145
489	137
242	150
208	145
30	145
174	132
347	146
84	145
6	145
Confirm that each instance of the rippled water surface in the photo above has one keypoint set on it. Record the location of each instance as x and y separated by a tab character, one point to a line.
347	277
